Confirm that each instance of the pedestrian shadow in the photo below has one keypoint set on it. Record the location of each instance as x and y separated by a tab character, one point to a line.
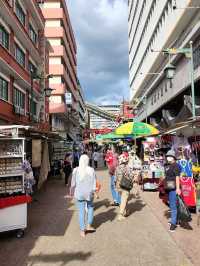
135	206
63	258
101	203
183	224
104	217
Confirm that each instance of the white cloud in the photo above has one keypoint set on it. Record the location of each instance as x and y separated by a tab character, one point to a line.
101	30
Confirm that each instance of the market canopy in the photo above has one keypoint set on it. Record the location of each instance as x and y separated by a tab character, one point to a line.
136	129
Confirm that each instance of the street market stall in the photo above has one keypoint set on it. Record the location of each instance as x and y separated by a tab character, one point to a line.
153	167
13	200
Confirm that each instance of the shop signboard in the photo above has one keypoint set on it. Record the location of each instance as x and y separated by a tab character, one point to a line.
68	98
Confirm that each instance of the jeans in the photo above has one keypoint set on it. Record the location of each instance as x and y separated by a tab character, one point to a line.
82	205
95	164
173	206
116	196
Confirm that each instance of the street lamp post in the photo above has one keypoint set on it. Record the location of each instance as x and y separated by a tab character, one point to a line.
47	91
192	81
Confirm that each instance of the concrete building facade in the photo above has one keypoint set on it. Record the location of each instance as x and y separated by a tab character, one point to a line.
153	26
23	50
63	66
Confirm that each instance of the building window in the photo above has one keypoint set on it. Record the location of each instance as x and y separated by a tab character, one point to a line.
4	37
155	98
33	107
3	89
161	91
165	86
197	57
32	34
31	67
19	98
19	55
20	13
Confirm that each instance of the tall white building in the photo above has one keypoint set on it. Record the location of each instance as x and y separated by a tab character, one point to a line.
155	25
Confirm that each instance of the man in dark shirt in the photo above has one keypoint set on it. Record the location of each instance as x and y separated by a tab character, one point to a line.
172	175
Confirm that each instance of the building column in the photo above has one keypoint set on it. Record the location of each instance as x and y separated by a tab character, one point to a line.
11	89
27	21
12	42
27	60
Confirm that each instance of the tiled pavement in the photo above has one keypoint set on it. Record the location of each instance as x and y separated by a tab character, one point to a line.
52	237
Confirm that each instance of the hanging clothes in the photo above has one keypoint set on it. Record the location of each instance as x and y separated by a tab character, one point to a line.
185	167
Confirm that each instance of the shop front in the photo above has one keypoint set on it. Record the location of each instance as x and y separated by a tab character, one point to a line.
24	162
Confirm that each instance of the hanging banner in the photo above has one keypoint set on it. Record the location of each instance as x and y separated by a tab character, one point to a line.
36	152
188	191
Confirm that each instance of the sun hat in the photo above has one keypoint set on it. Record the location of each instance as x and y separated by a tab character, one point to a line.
171	153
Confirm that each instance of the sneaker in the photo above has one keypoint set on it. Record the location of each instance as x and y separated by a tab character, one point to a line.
177	224
115	204
172	228
90	229
121	218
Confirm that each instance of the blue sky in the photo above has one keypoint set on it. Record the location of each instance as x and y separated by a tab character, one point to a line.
101	31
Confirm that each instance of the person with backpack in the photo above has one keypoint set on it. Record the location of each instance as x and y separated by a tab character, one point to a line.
124	184
84	186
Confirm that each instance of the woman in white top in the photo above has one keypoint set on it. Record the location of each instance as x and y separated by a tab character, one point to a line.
84	183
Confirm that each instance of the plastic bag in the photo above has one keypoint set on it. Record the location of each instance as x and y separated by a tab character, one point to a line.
183	211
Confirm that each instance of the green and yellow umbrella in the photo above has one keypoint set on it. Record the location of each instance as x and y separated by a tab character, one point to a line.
112	135
136	129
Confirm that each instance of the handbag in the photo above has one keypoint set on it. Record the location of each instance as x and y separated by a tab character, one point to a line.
126	183
183	213
169	185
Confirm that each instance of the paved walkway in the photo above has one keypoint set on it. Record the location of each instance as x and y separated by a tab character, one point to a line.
52	237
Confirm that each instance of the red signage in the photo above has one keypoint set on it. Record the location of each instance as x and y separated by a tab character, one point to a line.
127	110
98	131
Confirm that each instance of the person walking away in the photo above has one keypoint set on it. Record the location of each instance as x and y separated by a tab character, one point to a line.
67	168
90	157
84	185
96	157
76	157
124	184
172	186
104	157
111	169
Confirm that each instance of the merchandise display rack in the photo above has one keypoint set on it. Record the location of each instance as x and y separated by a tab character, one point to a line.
12	156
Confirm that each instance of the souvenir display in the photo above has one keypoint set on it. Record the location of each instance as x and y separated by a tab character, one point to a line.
153	168
13	201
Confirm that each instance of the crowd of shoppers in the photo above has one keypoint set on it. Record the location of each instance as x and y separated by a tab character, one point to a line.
124	169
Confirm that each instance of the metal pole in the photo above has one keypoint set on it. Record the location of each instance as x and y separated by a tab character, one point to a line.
192	82
146	120
31	100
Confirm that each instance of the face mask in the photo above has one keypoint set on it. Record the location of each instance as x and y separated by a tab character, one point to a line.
170	159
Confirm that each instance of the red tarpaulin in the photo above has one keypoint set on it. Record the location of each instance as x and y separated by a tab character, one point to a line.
12	201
